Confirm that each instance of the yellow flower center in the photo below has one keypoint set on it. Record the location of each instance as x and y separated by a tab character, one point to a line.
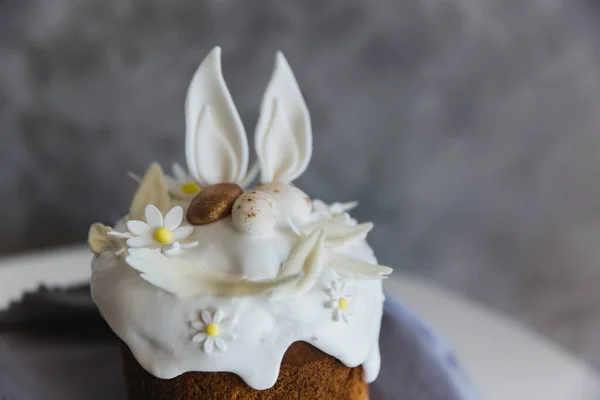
163	235
190	187
343	303
212	330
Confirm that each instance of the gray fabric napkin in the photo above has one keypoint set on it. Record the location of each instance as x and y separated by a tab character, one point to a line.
55	346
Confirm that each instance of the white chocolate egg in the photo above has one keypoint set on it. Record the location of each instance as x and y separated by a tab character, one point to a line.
254	213
292	203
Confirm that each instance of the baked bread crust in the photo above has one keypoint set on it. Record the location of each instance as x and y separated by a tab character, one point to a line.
306	374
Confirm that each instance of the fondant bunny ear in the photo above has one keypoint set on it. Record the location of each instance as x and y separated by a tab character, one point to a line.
283	133
216	145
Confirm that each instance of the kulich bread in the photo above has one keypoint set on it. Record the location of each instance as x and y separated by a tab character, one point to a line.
306	374
209	279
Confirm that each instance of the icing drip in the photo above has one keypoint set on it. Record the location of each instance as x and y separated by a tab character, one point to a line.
159	326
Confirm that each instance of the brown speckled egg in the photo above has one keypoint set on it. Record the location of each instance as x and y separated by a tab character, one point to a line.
254	213
213	203
291	202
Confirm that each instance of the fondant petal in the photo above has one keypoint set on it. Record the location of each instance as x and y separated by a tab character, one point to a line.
173	218
221	345
198	337
171	249
209	345
182	232
138	228
139	241
207	317
337	314
218	317
198	325
154	217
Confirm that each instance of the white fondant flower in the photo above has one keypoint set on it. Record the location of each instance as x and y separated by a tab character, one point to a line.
158	233
340	301
214	331
182	184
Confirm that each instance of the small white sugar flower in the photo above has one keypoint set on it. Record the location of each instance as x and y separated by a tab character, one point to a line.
339	301
214	331
182	185
163	234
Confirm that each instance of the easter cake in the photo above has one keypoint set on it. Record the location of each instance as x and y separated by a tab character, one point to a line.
223	289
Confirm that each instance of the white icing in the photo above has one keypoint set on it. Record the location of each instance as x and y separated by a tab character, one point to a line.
283	137
156	324
251	286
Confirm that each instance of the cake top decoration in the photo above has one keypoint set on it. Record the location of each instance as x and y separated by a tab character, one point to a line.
201	245
283	138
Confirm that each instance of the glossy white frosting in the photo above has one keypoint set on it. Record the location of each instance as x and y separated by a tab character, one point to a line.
156	324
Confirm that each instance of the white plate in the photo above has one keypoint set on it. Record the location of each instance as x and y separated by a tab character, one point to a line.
505	361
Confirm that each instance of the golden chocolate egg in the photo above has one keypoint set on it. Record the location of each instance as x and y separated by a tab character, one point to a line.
213	203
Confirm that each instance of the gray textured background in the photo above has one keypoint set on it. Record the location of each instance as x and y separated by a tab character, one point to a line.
467	129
